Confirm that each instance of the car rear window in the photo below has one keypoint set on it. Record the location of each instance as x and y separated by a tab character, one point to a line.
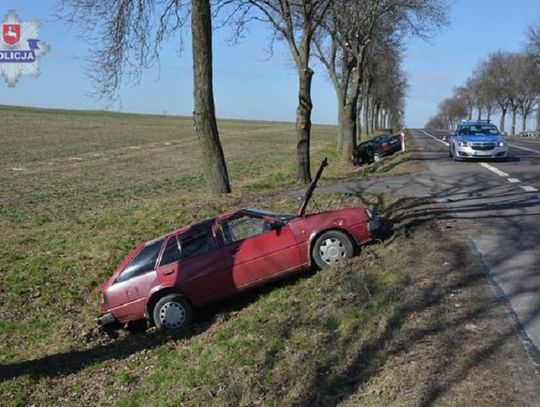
143	262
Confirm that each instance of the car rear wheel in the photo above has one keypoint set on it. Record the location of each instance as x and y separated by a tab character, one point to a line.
377	157
331	248
172	313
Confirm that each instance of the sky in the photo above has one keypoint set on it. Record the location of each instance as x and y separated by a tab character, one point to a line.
249	82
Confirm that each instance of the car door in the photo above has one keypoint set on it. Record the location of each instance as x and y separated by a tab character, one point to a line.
202	270
258	248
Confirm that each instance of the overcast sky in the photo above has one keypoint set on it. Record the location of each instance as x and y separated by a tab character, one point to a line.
251	84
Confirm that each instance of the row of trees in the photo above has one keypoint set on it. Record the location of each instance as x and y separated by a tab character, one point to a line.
506	83
358	42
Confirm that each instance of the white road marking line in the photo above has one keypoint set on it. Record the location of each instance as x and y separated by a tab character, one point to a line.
529	188
513	180
524	148
434	138
495	170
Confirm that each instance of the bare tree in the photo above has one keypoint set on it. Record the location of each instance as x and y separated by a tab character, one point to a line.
350	29
467	93
533	49
295	22
128	35
496	77
526	85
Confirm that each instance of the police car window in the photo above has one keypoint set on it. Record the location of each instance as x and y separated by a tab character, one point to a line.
142	263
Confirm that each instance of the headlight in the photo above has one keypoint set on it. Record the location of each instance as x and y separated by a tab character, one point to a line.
501	144
463	144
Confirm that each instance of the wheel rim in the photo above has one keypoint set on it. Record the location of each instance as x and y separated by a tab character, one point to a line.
172	315
377	158
332	250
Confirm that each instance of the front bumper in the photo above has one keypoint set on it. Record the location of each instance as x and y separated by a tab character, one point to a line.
374	224
470	152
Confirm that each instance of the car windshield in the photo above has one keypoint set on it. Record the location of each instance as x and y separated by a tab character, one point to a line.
478	130
264	212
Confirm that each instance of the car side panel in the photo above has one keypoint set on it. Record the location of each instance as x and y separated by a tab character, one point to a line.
206	277
353	221
263	257
127	299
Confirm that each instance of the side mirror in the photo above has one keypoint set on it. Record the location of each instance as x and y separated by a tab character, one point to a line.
504	134
277	224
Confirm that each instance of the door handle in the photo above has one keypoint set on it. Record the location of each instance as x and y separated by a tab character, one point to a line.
168	272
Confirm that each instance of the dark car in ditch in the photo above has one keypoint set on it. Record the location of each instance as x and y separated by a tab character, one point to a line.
374	149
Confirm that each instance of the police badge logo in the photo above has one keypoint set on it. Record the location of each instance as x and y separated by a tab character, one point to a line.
20	48
11	33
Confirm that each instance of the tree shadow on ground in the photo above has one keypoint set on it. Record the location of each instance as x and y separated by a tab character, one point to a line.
407	214
75	360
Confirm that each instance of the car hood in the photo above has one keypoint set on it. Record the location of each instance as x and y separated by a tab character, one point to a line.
481	139
311	187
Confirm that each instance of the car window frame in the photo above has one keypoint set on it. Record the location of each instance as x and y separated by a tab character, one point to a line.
154	267
216	246
267	219
164	248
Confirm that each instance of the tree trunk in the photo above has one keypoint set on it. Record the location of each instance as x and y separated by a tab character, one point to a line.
204	116
339	140
479	112
513	128
366	116
523	122
377	116
489	108
503	118
359	120
538	117
348	129
303	125
470	112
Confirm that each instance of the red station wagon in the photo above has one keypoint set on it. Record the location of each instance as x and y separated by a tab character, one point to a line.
163	279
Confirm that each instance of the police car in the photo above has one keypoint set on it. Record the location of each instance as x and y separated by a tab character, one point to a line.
477	139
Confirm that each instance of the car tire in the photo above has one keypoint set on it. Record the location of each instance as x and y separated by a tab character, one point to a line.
331	248
172	313
454	155
136	327
377	157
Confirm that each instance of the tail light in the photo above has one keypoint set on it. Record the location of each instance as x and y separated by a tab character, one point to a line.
103	300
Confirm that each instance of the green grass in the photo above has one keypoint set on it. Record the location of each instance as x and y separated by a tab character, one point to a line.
79	189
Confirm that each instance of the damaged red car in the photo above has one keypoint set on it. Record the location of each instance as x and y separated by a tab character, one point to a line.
161	280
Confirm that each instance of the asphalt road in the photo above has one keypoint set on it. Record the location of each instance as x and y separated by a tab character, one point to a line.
497	206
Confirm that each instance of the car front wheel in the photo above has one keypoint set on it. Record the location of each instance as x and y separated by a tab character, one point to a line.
331	248
377	157
173	313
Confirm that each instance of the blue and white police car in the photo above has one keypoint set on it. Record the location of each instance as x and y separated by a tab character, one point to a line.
477	139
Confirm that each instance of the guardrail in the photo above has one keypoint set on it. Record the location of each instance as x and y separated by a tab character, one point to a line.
529	134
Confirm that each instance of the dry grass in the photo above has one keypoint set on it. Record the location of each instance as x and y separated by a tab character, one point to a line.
80	189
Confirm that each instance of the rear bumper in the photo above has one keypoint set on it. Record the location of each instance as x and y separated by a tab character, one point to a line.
108	321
